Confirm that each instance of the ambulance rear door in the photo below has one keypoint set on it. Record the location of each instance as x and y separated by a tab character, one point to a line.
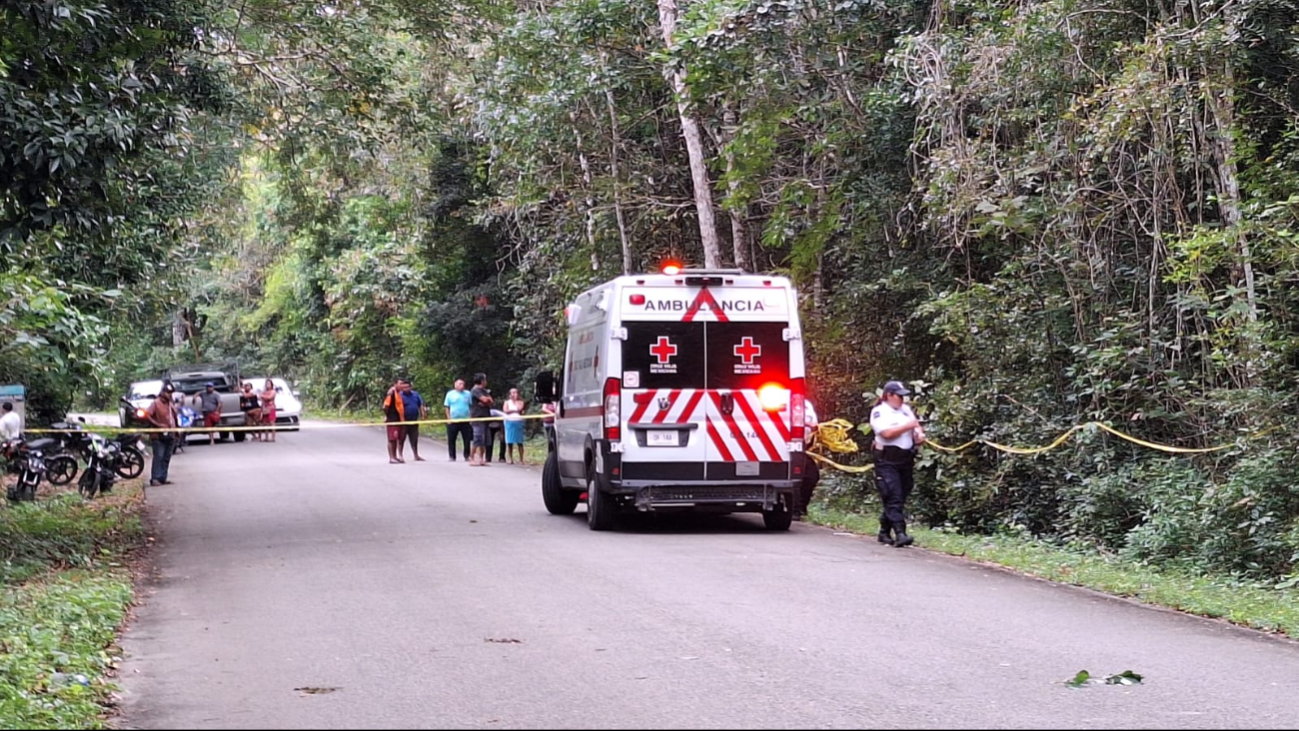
707	380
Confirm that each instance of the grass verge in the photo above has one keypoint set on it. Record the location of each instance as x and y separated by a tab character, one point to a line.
1264	608
66	591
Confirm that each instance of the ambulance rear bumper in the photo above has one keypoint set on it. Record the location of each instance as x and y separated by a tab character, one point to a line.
730	496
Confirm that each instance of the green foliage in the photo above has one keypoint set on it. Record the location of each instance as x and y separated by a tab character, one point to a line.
65	531
54	631
65	592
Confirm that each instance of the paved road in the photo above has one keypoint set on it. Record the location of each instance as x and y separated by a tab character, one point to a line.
433	595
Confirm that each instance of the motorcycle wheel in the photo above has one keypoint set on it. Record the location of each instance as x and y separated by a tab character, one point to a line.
60	469
132	464
27	483
88	485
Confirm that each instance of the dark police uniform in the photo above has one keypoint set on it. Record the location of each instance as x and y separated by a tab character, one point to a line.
894	470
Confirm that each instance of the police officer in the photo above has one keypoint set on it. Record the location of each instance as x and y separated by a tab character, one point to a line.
897	435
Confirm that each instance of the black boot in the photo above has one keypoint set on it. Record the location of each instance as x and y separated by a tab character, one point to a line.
886	533
902	539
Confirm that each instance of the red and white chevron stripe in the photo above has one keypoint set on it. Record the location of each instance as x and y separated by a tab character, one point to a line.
747	434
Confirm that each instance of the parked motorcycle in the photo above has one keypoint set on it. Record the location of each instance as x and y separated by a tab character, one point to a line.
27	459
61	461
131	463
102	468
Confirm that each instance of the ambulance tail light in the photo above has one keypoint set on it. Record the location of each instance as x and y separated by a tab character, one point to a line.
612	410
773	397
797	428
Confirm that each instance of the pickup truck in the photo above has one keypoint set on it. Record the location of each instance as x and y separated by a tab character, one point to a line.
189	381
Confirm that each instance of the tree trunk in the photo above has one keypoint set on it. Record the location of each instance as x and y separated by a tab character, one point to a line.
587	185
739	231
627	263
694	143
180	330
1222	109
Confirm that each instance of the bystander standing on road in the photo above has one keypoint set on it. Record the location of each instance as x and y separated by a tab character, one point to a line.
513	409
161	415
394	412
457	407
209	404
267	397
480	407
415	410
252	408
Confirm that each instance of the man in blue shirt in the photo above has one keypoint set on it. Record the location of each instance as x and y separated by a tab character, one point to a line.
414	408
457	406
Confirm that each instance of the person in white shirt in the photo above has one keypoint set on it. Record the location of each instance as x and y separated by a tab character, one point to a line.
897	434
11	424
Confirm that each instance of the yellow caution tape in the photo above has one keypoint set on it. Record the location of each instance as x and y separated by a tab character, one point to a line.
1005	448
837	439
1070	432
833	435
1161	447
855	469
275	427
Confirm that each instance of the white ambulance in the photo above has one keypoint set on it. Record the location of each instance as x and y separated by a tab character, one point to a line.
680	390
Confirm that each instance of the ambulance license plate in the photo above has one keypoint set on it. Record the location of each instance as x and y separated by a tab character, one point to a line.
661	438
747	469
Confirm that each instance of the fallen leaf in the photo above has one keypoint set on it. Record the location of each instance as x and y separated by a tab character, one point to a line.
1079	680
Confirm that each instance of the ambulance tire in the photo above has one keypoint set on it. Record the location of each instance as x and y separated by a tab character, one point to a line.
558	500
601	513
779	519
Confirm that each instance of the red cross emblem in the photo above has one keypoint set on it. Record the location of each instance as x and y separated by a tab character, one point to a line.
663	350
747	350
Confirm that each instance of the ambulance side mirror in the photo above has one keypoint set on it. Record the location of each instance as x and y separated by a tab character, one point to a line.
544	388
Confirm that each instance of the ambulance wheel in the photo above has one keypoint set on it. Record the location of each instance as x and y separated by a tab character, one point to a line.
600	510
779	519
558	500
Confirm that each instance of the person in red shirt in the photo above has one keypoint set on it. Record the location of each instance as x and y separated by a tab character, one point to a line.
161	415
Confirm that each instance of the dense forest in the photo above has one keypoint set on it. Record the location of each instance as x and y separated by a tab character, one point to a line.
1042	213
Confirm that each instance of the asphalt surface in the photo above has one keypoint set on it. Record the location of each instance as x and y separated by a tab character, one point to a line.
309	584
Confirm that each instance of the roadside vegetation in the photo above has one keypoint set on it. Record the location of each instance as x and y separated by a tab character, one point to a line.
67	588
1271	606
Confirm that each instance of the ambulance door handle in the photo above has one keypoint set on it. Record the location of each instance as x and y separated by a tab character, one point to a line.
728	403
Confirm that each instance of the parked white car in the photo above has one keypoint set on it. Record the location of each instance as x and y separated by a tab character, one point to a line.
288	409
